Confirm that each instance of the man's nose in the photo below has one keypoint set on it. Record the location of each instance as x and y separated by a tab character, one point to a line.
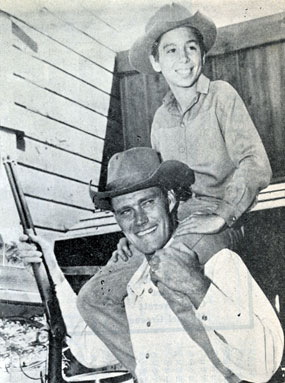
140	217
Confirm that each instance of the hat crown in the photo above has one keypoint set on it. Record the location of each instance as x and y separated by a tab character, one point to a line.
130	167
168	13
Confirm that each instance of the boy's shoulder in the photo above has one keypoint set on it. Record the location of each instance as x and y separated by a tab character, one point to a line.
221	87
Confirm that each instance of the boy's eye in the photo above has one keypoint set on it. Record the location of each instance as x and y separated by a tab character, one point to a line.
171	50
192	47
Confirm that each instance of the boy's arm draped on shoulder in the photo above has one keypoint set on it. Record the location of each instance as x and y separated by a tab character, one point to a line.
246	150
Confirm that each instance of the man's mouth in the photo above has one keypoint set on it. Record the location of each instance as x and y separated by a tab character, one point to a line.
146	231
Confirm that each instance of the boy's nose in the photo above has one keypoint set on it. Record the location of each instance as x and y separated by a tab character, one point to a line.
183	55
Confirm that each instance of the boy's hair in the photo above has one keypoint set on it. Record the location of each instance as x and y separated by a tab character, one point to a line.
198	35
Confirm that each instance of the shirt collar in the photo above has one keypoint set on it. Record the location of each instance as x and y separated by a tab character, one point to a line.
140	278
203	84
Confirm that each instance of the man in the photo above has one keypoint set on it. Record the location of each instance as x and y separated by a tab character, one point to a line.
226	331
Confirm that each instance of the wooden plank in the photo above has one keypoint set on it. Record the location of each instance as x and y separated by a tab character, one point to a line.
273	187
48	77
85	20
64	35
272	195
95	222
265	30
54	188
80	270
55	133
53	216
65	59
269	205
48	104
98	230
53	160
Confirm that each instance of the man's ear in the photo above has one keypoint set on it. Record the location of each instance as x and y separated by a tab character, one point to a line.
172	201
204	59
155	64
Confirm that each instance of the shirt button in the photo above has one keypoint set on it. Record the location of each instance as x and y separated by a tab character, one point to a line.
148	323
147	355
204	317
150	290
181	149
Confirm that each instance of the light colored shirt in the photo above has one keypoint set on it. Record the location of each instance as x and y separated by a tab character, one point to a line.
240	322
218	140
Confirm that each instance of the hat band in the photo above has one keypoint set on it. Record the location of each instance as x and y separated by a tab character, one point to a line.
129	181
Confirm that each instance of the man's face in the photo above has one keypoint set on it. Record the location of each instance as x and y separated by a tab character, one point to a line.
180	59
144	218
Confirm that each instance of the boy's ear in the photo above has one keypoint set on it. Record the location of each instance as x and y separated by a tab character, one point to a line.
172	201
203	59
155	64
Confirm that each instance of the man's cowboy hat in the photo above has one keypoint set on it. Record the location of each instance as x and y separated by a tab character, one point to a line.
165	19
140	168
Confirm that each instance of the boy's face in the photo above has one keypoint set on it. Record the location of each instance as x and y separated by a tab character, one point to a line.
180	59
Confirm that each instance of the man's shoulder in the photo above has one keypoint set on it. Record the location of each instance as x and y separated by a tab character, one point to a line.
224	261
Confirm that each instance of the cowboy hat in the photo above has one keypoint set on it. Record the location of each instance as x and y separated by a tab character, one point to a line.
165	19
140	168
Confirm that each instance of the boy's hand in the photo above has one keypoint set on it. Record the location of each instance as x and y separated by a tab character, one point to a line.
200	224
177	267
123	251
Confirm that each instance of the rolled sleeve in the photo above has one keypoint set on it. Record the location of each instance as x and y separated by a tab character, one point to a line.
87	348
241	323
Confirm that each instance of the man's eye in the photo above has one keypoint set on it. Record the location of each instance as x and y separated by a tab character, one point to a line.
125	213
149	203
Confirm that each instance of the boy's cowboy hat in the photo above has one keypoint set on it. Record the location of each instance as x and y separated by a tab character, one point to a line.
165	19
140	168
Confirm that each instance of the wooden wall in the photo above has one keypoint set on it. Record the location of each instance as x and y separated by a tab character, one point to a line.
249	55
56	87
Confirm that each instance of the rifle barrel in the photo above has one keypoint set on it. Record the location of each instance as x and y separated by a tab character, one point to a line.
43	279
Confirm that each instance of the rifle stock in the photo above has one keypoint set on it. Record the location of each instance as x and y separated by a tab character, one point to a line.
57	330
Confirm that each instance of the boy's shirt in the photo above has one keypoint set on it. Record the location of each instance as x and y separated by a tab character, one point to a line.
218	140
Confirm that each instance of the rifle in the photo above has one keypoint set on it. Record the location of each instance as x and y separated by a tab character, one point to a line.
57	330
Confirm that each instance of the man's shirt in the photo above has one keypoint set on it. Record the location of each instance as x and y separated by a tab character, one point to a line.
240	323
218	140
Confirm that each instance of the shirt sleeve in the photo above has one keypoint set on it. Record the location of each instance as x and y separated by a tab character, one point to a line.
241	324
87	348
245	148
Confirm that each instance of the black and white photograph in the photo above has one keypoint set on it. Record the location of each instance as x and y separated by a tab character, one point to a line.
142	185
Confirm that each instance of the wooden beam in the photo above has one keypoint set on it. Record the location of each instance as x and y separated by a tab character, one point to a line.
231	38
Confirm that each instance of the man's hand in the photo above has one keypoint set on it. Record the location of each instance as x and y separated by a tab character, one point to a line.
178	268
200	224
31	253
123	251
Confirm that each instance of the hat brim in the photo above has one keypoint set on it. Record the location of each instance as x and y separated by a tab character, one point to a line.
170	174
141	49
